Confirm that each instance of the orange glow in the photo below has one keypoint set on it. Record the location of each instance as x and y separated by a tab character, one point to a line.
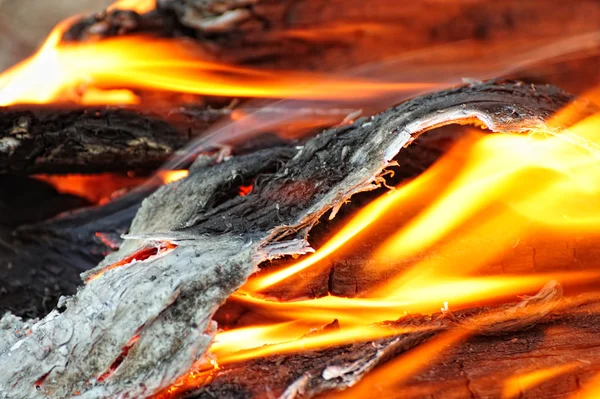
111	68
169	176
589	389
139	6
518	384
96	188
202	372
489	192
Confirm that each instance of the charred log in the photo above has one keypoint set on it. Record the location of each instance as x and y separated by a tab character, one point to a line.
54	140
190	246
40	262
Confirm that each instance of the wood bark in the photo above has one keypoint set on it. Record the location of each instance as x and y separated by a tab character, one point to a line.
48	139
139	324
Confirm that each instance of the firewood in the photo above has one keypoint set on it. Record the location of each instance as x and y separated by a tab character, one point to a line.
49	139
144	315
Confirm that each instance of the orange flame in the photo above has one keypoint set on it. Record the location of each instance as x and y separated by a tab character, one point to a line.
169	176
105	71
519	185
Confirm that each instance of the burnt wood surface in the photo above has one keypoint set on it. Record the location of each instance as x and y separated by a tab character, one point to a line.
166	301
50	139
40	262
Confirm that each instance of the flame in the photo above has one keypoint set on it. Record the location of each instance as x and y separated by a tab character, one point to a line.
420	298
105	72
288	338
169	176
139	6
521	382
589	390
519	185
97	188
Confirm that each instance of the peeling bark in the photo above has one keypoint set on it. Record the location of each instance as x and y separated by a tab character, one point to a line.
159	309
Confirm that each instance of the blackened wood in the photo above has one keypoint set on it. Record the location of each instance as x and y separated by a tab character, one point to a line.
48	139
40	262
160	309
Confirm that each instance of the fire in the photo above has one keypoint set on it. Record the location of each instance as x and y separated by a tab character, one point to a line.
106	71
482	198
280	339
169	176
139	6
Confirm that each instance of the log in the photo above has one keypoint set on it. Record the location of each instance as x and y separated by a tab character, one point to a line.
49	139
144	315
426	41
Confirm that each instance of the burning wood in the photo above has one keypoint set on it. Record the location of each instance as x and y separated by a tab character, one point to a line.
168	300
216	290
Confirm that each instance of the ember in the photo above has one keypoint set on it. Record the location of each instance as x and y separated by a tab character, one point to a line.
444	245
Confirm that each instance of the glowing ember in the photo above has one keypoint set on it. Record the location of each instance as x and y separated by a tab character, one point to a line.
245	190
169	176
138	256
97	188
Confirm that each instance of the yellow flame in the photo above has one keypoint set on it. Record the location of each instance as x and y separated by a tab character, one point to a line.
282	338
139	6
365	217
66	72
169	176
420	298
